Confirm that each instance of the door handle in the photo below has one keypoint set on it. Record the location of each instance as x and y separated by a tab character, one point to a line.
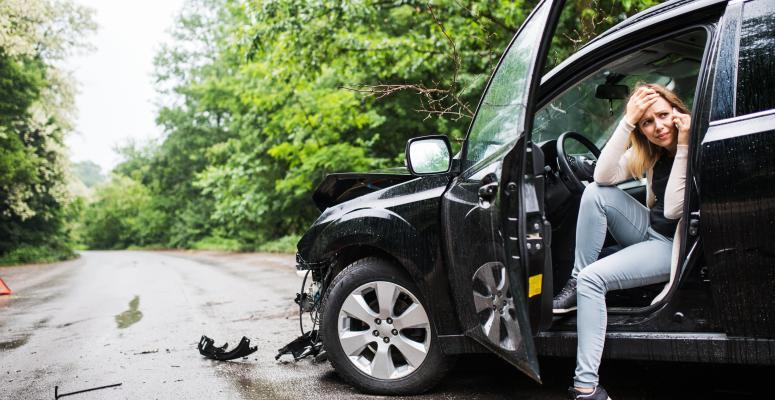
488	191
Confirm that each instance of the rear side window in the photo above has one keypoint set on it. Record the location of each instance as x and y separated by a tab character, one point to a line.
756	58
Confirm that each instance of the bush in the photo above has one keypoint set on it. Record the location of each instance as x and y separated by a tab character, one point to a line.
218	243
122	215
285	244
37	254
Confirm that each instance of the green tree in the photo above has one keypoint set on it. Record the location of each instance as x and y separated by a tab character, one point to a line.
35	114
121	215
262	98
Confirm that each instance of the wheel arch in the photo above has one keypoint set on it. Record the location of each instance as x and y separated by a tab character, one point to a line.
350	254
374	232
383	233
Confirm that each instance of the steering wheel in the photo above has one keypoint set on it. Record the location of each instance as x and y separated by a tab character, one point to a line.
574	169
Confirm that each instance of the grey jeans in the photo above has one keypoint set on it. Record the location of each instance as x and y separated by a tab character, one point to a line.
644	261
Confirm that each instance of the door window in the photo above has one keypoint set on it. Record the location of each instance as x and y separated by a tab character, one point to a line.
674	63
501	112
745	68
756	68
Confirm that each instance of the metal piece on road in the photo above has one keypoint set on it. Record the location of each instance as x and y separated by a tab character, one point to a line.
400	321
308	344
208	349
58	396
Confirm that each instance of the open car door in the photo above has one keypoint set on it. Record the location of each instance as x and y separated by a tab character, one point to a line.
497	243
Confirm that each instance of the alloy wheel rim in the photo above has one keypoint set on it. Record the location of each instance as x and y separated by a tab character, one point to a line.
495	306
384	330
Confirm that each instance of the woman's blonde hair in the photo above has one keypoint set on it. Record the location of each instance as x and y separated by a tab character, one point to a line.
645	154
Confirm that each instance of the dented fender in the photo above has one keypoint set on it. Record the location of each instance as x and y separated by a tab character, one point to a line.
403	221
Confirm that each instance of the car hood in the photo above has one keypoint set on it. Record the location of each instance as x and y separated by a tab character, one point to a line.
340	187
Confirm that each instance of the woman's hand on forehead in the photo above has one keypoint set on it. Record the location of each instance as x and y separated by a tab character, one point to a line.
643	98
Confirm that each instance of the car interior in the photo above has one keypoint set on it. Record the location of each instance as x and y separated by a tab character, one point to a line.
591	108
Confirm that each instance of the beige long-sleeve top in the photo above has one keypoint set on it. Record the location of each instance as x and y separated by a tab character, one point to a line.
612	169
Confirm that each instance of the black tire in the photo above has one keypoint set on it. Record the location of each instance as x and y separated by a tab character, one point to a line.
362	272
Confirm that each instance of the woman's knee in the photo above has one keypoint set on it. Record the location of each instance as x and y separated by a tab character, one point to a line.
593	196
598	195
589	282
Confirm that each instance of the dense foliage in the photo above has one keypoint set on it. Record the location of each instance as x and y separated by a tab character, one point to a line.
35	108
262	98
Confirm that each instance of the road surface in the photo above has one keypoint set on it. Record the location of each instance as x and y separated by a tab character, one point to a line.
135	318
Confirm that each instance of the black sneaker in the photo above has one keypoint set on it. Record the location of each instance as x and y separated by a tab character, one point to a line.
565	301
598	394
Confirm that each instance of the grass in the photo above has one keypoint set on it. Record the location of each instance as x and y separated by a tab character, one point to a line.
146	247
37	254
218	243
285	244
33	254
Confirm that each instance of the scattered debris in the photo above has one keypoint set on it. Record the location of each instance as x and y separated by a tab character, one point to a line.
208	349
148	352
306	302
57	395
250	318
321	357
308	344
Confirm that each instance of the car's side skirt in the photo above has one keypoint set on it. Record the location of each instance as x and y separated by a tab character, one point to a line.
667	346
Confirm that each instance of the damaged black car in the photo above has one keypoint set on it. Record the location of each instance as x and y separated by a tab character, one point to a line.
463	253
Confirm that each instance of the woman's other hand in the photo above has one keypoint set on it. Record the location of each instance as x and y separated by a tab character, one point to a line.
639	102
682	123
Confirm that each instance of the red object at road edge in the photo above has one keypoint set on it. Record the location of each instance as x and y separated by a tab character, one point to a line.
4	289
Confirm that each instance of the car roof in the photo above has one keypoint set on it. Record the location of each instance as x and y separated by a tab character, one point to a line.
649	17
650	12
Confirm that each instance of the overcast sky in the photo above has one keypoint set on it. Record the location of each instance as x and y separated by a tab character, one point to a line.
116	99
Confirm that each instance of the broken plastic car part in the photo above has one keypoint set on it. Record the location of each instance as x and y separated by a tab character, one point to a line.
308	344
209	350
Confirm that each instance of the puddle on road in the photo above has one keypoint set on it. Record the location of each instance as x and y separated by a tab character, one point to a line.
250	385
15	343
130	316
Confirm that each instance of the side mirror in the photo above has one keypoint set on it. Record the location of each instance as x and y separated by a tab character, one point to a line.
428	155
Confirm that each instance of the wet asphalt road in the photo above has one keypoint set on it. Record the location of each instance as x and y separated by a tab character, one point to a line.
135	318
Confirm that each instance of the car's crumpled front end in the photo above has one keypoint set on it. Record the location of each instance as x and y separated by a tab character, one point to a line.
396	213
336	195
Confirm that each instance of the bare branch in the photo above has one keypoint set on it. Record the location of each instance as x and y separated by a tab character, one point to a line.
588	26
433	100
455	55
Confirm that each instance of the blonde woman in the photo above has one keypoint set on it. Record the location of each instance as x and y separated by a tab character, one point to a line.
652	138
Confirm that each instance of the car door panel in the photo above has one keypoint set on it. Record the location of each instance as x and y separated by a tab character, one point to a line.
737	174
486	209
737	220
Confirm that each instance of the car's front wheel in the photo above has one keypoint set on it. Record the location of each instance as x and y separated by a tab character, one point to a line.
377	332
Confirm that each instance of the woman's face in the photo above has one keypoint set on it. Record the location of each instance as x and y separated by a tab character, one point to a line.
657	124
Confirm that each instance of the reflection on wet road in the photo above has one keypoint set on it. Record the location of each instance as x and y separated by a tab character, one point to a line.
135	318
130	316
